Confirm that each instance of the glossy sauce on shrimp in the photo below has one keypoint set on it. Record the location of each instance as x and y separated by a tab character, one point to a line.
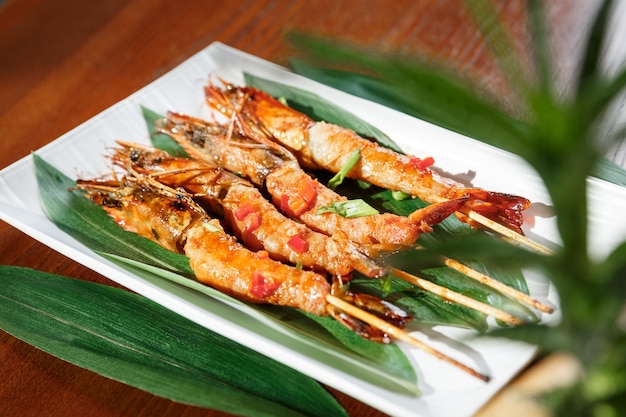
328	146
294	191
173	220
216	258
253	219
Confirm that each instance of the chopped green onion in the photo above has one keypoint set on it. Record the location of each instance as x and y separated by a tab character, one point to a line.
349	209
283	100
400	195
341	175
210	227
386	284
363	185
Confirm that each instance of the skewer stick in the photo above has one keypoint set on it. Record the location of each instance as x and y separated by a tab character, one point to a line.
497	285
505	231
461	299
399	334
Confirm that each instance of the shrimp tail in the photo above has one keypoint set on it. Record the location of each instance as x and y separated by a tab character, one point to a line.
381	308
505	209
436	213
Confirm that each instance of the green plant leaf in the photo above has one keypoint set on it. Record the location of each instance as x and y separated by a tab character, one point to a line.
88	223
161	140
430	94
540	37
133	340
594	47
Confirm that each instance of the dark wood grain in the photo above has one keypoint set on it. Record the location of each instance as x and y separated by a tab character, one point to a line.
64	61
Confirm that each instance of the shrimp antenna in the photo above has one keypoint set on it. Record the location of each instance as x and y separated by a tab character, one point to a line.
399	334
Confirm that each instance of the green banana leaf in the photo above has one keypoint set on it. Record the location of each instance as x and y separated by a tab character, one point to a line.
87	222
133	340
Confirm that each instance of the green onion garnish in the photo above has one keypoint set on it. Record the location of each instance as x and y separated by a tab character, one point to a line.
341	175
349	209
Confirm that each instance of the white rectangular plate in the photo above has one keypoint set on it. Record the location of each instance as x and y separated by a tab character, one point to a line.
446	391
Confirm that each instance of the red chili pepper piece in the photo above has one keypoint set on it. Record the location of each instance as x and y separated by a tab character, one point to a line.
298	243
262	286
422	164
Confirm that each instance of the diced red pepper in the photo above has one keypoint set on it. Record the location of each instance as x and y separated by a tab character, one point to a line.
421	164
254	222
309	191
262	286
284	203
244	210
298	243
298	206
248	211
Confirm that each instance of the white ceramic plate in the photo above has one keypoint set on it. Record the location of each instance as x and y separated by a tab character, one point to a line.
446	391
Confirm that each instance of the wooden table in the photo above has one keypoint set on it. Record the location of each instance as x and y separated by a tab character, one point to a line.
64	61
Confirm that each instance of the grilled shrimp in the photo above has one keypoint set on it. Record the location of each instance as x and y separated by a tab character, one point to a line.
179	225
296	193
328	146
255	220
173	220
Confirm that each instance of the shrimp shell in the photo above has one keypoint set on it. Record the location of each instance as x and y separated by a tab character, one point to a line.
328	146
275	169
254	219
216	258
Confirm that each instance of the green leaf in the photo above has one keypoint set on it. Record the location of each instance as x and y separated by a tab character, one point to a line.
430	94
133	340
161	140
319	109
89	224
540	37
593	50
386	365
499	42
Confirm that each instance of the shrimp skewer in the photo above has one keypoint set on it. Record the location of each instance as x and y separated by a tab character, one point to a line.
295	192
328	146
177	223
253	219
173	220
272	167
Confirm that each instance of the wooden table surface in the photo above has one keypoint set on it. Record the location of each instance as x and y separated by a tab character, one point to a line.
64	61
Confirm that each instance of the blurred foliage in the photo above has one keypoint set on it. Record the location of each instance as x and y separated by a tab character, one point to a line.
559	135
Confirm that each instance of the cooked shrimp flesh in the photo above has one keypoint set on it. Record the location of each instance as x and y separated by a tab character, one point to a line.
216	258
253	219
173	220
328	146
293	190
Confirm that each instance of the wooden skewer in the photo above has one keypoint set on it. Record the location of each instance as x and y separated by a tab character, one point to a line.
461	299
495	284
511	234
399	334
